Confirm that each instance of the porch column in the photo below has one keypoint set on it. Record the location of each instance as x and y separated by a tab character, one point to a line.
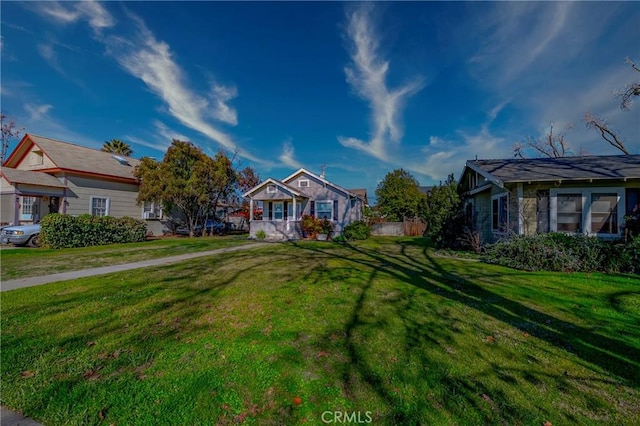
16	210
295	216
250	209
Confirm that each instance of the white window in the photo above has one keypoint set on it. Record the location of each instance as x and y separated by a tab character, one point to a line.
151	210
303	183
278	211
324	209
99	206
272	189
569	212
27	205
593	211
604	213
500	212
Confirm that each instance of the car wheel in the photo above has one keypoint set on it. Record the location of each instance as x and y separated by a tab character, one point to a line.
34	241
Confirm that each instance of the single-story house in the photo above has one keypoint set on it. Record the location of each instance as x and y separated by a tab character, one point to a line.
284	202
587	194
44	175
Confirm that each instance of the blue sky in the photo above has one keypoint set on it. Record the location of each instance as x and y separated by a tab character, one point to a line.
363	88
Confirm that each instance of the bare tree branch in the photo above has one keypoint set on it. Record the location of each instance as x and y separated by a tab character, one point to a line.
593	122
631	91
552	145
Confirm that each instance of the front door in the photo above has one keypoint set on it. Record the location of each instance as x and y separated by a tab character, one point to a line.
54	204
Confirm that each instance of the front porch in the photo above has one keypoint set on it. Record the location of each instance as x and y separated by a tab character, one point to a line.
276	230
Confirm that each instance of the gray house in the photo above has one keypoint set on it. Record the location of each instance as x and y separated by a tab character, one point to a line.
284	202
589	195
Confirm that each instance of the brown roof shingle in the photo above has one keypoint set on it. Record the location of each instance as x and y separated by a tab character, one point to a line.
28	177
80	158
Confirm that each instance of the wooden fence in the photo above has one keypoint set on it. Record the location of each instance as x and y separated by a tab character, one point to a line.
410	228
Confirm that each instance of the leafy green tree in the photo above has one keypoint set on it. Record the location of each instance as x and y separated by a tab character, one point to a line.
442	212
187	181
399	196
118	147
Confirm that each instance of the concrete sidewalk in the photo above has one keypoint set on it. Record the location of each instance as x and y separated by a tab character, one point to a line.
10	418
65	276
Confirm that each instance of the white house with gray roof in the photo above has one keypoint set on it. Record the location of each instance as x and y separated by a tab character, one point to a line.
588	194
285	201
44	175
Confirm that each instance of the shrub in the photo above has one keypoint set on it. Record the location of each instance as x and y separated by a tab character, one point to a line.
326	226
63	231
261	235
564	252
339	239
358	230
310	225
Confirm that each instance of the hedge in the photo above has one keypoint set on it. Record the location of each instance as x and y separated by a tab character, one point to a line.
563	252
63	231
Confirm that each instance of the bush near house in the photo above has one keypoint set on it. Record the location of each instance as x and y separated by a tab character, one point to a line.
358	230
562	252
64	231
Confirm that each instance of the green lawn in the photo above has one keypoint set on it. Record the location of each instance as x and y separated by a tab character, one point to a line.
29	262
283	334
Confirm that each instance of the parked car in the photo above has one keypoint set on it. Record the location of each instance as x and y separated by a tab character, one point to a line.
211	227
21	235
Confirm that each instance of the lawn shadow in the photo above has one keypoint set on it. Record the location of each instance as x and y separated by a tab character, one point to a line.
612	355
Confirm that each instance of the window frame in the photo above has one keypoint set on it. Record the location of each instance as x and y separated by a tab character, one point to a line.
587	215
273	214
99	197
272	188
300	185
317	211
154	207
505	228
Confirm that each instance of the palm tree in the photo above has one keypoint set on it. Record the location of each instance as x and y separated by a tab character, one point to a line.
116	146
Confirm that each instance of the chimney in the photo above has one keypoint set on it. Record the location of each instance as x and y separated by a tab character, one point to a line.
323	170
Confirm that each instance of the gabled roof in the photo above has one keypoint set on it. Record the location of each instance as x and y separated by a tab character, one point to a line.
321	179
360	193
273	181
28	177
558	169
75	158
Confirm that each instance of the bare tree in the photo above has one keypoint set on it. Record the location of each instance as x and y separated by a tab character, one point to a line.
630	91
607	134
552	145
626	97
9	131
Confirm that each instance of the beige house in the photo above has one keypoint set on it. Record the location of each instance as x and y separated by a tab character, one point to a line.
589	195
44	175
285	201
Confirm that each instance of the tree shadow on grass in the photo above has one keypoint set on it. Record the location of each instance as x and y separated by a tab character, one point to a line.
612	355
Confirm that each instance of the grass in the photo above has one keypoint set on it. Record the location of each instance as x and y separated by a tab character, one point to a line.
280	335
29	262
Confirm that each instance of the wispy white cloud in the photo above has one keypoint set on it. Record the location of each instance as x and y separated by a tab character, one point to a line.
38	118
37	112
167	134
442	157
367	76
158	145
288	155
221	110
153	62
69	12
